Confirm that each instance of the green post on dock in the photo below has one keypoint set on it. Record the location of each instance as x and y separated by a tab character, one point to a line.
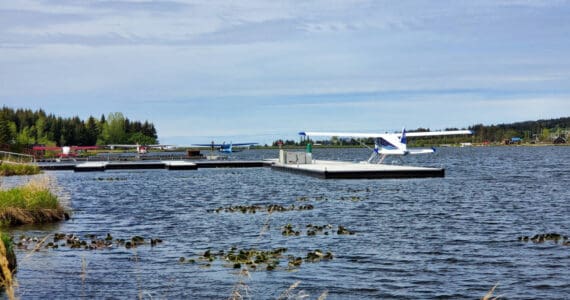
309	154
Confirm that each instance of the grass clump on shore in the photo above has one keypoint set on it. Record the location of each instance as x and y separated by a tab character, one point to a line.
13	169
32	203
7	264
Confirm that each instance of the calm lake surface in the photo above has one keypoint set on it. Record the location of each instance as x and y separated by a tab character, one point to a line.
445	238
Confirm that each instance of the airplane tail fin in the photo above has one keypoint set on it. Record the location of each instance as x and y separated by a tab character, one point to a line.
403	140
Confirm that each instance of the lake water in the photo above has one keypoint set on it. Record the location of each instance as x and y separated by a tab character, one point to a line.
445	238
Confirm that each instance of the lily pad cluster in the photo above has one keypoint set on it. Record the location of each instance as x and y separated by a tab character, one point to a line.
318	255
255	259
262	208
543	237
312	256
88	242
236	258
312	230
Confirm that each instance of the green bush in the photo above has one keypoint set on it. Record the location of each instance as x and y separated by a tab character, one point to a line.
32	203
27	197
11	169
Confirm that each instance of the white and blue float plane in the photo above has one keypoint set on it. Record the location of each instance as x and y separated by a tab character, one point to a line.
386	144
225	148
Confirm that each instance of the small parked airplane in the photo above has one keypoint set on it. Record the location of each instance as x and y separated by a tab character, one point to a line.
141	149
390	143
225	148
64	152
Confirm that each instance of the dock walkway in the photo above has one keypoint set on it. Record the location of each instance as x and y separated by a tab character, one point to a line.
149	165
327	169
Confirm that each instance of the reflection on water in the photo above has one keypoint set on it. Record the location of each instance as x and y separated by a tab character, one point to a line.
452	237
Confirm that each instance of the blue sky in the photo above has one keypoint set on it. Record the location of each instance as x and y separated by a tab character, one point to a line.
263	70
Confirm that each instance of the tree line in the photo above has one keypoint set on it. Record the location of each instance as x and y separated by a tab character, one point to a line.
540	131
20	128
529	131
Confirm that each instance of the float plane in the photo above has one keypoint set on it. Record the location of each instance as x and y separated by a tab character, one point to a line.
141	149
225	148
386	144
64	152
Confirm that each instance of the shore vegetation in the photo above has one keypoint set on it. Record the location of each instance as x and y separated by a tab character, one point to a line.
15	169
32	203
7	265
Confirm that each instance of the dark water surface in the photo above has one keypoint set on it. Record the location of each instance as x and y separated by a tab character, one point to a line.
445	238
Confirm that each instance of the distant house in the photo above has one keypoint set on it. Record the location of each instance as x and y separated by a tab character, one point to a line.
514	140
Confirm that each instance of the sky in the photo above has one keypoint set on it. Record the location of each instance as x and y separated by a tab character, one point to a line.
258	71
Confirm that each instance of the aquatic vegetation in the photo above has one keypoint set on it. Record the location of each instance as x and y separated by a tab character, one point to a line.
318	255
313	230
17	169
342	230
30	204
110	178
7	264
543	237
323	198
354	190
89	242
350	198
260	208
289	231
255	259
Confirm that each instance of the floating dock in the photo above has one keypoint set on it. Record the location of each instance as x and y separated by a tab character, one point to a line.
90	166
327	169
324	169
149	165
102	166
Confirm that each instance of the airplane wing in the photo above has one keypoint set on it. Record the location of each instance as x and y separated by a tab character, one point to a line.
226	144
51	148
437	133
47	148
209	145
343	134
85	147
122	146
113	146
382	135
